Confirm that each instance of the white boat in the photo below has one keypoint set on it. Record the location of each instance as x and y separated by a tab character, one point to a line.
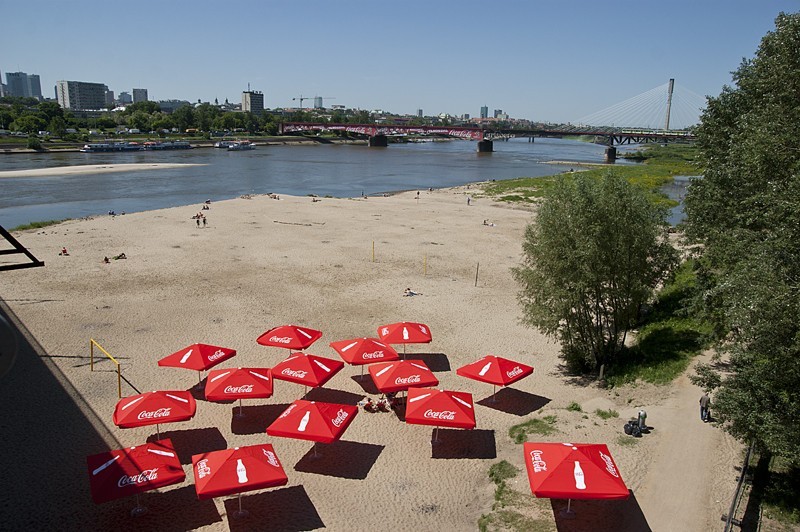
241	145
224	143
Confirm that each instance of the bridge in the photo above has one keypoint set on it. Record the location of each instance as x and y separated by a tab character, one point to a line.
644	109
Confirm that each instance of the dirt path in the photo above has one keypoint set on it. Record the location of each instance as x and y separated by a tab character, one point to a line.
690	482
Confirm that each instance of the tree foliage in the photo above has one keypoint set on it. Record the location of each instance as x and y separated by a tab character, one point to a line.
592	258
746	212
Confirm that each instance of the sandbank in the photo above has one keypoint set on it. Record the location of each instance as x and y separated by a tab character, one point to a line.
91	169
341	266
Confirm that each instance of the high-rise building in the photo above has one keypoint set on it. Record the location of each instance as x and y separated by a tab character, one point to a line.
498	113
485	111
125	98
139	95
252	101
109	99
318	102
81	95
24	85
419	113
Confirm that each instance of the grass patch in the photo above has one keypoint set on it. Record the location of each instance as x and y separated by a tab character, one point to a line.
502	516
606	414
626	441
511	520
37	225
574	407
543	427
502	470
668	339
781	497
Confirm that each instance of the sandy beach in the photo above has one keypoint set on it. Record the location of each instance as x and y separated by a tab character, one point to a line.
90	169
340	266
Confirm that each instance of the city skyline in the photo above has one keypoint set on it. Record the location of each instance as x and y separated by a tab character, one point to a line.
534	60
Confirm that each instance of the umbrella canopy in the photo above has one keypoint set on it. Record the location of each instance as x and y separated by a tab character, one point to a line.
440	408
239	383
307	369
289	337
236	470
495	370
405	332
402	375
199	357
314	421
124	472
573	471
150	408
359	351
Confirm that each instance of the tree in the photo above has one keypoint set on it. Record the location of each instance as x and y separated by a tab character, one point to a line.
746	212
592	258
183	117
29	124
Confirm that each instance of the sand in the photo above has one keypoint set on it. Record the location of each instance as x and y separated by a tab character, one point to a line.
341	266
91	169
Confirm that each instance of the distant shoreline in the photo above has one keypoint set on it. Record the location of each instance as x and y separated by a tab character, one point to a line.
91	169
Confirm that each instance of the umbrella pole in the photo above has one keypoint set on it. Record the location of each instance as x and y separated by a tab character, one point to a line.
240	408
199	379
239	514
139	509
435	435
404	351
494	393
567	513
158	432
315	450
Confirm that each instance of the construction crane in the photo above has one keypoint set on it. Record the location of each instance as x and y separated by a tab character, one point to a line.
321	99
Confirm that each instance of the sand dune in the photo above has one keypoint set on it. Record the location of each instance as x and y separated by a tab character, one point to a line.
91	169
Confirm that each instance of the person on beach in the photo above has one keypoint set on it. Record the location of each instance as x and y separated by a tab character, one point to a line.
705	401
106	261
205	222
63	252
198	221
409	292
469	200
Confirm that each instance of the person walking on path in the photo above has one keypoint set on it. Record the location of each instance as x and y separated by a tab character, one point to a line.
469	200
704	402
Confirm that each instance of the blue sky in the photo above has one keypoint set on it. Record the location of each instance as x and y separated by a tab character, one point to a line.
540	60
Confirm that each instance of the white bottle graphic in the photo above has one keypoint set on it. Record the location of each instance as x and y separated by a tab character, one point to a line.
241	471
484	369
405	333
303	422
580	483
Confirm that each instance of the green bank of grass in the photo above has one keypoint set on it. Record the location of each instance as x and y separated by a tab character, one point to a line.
669	338
511	508
543	427
37	225
659	165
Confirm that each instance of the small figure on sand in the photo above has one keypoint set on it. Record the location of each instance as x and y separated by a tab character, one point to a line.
409	292
106	261
487	222
469	200
63	252
205	222
198	221
120	256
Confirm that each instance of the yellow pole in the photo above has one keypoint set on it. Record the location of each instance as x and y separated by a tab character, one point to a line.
91	354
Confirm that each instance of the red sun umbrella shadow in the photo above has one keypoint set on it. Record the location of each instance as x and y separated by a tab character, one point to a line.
405	332
239	383
496	371
573	471
154	408
237	470
363	351
440	408
134	470
199	357
291	337
313	421
307	369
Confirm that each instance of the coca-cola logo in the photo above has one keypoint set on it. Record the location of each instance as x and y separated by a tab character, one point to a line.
161	412
384	331
374	354
444	414
341	416
411	379
293	373
202	468
289	410
271	458
280	339
219	353
245	388
145	476
514	372
609	464
537	462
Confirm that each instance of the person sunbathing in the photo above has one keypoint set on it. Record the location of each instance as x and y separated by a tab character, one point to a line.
409	292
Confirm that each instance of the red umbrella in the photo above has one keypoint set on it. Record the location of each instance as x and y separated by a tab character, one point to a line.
495	370
314	421
405	332
361	351
239	383
401	375
307	369
236	470
199	357
153	408
131	471
289	337
573	471
440	408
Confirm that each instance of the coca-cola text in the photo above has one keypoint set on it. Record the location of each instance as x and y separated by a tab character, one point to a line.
161	412
145	476
280	339
271	458
537	462
244	388
219	353
514	372
374	354
411	379
293	373
444	414
202	468
609	464
341	415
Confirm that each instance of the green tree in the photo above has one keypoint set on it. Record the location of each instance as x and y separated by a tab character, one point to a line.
591	259
57	126
746	212
29	123
50	110
183	117
139	120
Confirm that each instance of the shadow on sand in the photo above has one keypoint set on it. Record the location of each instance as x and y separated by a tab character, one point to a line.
434	361
596	514
193	441
329	395
255	419
512	401
343	459
452	443
280	510
166	511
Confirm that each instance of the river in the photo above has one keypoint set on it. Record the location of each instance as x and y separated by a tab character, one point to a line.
324	170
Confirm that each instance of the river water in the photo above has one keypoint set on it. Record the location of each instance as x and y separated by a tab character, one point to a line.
333	170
